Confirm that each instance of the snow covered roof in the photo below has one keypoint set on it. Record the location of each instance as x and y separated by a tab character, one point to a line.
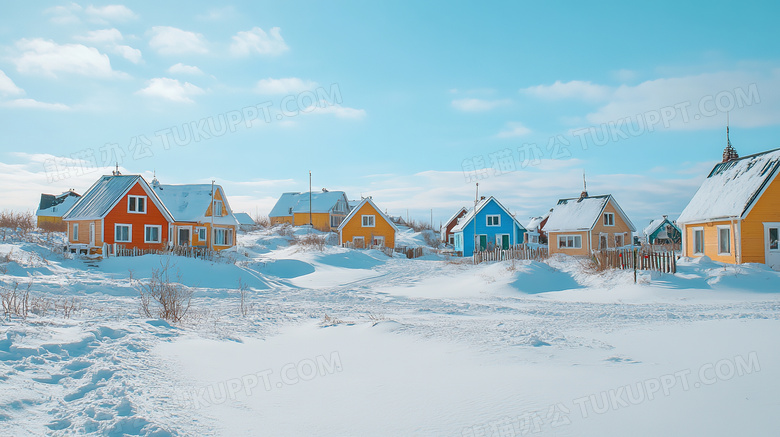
534	223
57	205
360	205
243	218
101	197
653	226
473	212
455	216
581	214
321	201
189	203
731	188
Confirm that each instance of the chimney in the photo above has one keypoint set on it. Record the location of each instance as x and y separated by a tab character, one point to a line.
729	153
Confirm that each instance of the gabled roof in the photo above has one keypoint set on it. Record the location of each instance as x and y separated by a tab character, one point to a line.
321	202
357	207
56	206
534	223
732	188
104	194
189	203
655	224
582	214
474	212
455	216
243	218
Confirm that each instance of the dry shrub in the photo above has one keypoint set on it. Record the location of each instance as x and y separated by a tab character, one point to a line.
263	221
163	298
311	241
284	230
15	301
18	222
432	239
419	226
597	263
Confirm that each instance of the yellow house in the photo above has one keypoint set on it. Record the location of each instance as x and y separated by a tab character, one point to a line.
366	225
325	212
734	217
51	209
580	225
201	215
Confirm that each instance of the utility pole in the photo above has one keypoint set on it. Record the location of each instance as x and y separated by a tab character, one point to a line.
310	221
213	232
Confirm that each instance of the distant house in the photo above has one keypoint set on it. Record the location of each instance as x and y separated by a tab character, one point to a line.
118	209
366	225
580	225
194	224
734	216
536	233
662	231
245	221
447	237
51	208
487	226
328	209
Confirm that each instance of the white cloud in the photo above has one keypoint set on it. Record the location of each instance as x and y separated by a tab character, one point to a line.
168	40
110	13
218	14
48	58
184	69
259	42
287	85
624	75
8	87
478	105
171	89
64	14
514	130
34	104
336	110
110	38
575	89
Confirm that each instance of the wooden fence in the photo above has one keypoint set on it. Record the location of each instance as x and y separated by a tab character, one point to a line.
186	251
520	252
637	259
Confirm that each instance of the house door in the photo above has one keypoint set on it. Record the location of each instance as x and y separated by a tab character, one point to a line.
772	245
481	242
184	236
91	234
502	241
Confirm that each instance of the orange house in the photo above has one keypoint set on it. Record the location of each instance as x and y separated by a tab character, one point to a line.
578	226
118	209
734	217
366	225
194	224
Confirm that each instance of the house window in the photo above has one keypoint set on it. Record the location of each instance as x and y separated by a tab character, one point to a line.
533	238
724	240
216	208
152	233
378	241
452	240
698	241
123	233
223	237
609	219
368	221
773	244
618	240
75	236
494	220
335	221
358	242
570	241
136	204
201	234
603	241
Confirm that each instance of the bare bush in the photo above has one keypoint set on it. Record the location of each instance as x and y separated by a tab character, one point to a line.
244	307
162	298
263	221
284	230
419	226
311	241
16	223
67	306
432	239
15	301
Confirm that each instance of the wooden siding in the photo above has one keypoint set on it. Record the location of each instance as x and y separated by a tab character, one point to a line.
766	209
621	227
354	228
281	220
710	235
153	216
552	244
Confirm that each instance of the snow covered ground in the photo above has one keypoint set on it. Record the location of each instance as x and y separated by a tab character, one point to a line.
343	342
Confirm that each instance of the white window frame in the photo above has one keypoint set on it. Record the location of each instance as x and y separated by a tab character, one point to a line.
724	228
372	220
202	230
129	232
700	230
357	238
75	236
570	239
146	233
609	219
494	217
622	236
216	208
220	241
378	240
767	227
146	204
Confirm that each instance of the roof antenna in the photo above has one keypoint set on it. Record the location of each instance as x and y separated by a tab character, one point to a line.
116	172
730	153
476	198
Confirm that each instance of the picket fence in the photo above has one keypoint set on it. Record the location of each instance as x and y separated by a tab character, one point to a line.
644	258
519	252
185	251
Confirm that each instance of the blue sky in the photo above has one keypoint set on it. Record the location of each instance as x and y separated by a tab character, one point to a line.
409	102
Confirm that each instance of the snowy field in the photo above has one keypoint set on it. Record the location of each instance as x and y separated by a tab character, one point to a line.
342	342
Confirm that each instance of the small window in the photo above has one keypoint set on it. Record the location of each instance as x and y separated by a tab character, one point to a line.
75	236
494	220
618	240
122	233
570	241
217	208
202	234
152	233
773	234
136	204
369	221
603	241
378	241
609	219
358	242
724	240
223	237
698	241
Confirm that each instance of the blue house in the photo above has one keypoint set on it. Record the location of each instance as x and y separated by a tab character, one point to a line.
489	225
